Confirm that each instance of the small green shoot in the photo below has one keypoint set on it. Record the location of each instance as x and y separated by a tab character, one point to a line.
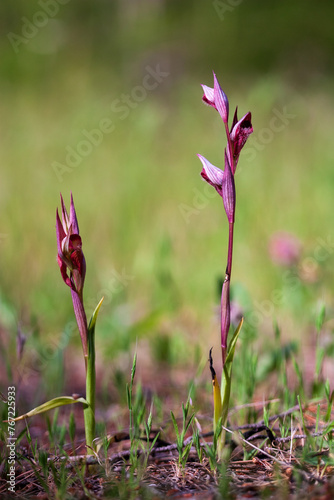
183	450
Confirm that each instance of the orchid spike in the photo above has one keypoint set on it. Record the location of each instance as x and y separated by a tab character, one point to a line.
72	264
224	184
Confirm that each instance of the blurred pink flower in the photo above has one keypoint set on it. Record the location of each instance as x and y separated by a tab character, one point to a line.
284	249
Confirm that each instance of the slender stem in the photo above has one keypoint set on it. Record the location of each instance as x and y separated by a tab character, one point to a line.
225	298
225	317
230	249
89	411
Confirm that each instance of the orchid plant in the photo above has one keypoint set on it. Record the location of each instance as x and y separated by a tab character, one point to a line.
224	183
72	265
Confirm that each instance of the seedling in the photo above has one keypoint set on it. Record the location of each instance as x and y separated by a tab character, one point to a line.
141	444
183	450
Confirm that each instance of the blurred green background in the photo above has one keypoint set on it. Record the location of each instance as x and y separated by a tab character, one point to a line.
154	235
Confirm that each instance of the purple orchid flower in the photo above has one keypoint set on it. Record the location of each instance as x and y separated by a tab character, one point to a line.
223	182
240	131
212	175
217	99
72	264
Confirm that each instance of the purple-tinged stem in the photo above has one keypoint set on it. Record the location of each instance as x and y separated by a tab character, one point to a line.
230	248
225	316
230	148
81	318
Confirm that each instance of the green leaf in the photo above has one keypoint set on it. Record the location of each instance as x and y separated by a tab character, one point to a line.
128	397
175	426
154	441
227	372
265	416
186	451
50	405
189	423
320	318
133	369
93	319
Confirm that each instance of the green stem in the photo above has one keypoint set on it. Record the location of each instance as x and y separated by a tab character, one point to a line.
89	411
225	298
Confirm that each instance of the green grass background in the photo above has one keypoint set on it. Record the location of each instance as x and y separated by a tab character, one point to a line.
131	190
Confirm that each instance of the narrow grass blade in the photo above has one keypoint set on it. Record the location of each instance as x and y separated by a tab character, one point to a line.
50	405
175	426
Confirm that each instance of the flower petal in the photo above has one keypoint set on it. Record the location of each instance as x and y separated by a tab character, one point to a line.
221	101
73	218
80	316
228	191
209	96
235	118
79	263
63	271
239	135
75	243
64	215
211	174
59	232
